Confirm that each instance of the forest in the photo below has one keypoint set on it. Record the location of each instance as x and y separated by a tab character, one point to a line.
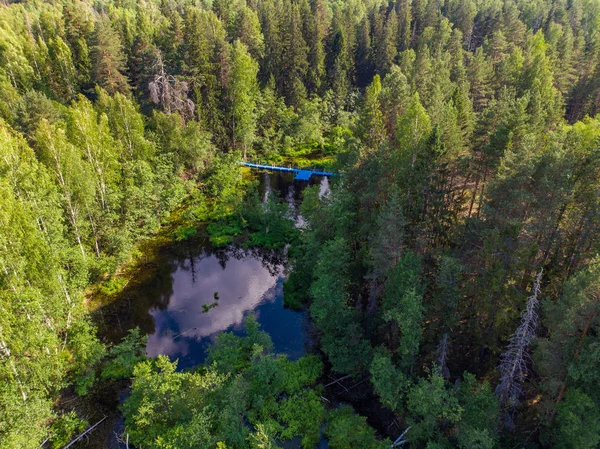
453	270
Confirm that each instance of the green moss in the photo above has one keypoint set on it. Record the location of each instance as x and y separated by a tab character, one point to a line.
220	241
113	286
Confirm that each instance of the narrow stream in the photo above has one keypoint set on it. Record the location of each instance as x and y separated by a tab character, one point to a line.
169	304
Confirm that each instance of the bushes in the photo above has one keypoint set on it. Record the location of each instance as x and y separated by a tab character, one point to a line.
64	428
244	395
113	285
347	430
185	233
221	233
303	414
124	356
266	225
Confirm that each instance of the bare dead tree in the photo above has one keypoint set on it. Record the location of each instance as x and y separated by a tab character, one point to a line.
400	440
442	355
514	364
122	439
169	92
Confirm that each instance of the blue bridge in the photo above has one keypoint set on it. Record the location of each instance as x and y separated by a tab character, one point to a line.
302	174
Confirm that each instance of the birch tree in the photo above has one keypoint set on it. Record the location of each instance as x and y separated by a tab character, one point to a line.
72	176
243	90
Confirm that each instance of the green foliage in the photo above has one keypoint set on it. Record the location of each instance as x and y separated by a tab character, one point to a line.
428	402
267	225
402	306
293	296
242	383
231	353
346	430
466	132
189	143
63	429
389	383
302	414
84	342
582	371
223	183
185	233
479	419
221	234
123	357
412	130
272	223
108	58
300	374
243	92
261	439
113	285
372	126
447	287
169	409
386	244
342	338
577	422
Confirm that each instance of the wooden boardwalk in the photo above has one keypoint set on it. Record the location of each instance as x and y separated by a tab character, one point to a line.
302	174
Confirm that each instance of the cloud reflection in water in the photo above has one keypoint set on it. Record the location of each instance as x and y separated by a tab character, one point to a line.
243	284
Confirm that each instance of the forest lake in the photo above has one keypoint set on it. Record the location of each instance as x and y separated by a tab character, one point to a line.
172	304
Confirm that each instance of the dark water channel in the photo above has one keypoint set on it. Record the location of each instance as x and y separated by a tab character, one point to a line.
168	302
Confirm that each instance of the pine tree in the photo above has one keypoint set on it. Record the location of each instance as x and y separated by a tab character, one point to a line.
78	30
313	28
247	30
402	306
335	317
340	68
394	97
294	58
385	45
372	127
479	73
205	66
108	58
405	29
364	66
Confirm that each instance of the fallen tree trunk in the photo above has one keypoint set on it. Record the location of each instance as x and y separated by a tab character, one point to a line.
84	433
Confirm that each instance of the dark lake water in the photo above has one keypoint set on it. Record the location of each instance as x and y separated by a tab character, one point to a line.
246	282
